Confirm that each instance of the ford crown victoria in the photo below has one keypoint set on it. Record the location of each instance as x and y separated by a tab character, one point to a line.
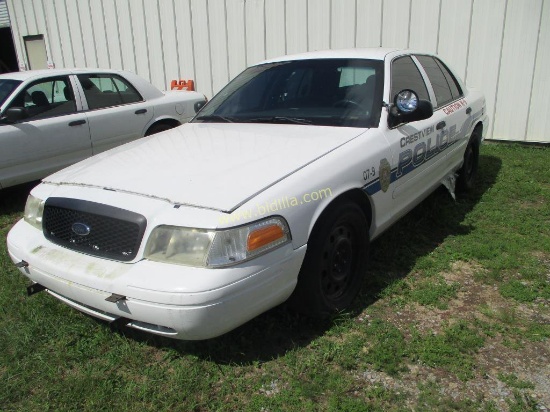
50	119
273	191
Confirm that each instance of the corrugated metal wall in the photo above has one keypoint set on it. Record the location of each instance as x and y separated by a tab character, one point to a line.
4	17
499	46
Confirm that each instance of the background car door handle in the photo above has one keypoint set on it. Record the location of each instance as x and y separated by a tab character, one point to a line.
440	125
141	111
77	123
468	110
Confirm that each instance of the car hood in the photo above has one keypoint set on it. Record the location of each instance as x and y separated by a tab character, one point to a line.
207	165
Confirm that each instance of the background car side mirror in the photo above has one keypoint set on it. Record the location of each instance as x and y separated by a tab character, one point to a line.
199	105
407	107
15	114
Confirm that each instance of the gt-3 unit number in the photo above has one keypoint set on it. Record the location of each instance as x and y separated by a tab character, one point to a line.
369	173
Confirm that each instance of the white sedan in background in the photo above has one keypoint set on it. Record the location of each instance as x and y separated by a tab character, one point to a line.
50	119
274	190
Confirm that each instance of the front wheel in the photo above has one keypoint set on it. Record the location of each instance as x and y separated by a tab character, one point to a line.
468	172
335	261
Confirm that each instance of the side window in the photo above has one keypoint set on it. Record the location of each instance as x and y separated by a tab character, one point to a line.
106	90
445	86
405	75
47	98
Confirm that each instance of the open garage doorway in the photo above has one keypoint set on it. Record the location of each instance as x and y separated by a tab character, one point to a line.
8	58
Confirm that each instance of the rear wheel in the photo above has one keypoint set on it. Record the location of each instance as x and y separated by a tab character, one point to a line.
335	261
159	127
468	172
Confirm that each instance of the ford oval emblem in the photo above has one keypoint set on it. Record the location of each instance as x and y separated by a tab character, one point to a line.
81	229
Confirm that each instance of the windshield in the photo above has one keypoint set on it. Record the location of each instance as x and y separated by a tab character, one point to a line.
327	92
6	87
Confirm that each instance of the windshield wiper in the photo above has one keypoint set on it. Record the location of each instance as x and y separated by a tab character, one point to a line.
214	117
278	119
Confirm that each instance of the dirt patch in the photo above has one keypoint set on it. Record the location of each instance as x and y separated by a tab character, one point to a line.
524	360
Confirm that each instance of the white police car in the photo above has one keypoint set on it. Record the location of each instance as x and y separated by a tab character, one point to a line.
275	189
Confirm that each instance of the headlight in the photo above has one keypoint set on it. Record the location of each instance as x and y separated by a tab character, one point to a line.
179	245
216	248
33	211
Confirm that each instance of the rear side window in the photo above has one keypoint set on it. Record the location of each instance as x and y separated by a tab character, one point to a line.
106	90
405	75
456	90
445	86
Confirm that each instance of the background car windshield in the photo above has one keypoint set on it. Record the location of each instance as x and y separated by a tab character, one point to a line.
6	87
330	92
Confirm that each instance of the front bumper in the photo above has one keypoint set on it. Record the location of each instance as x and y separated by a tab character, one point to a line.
175	301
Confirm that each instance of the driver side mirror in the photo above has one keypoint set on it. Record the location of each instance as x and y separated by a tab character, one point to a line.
15	114
407	107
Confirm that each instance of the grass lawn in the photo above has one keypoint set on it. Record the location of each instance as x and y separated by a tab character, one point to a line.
455	315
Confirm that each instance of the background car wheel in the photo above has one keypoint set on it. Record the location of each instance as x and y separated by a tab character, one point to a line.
335	261
159	127
468	172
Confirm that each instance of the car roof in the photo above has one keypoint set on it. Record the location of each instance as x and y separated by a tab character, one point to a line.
31	74
374	53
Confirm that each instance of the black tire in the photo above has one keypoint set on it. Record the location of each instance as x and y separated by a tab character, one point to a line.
468	172
159	127
335	262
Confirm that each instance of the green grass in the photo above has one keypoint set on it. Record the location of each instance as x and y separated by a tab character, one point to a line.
430	399
514	382
451	350
452	287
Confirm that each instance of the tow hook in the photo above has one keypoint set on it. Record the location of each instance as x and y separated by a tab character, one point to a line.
114	298
119	323
35	288
22	264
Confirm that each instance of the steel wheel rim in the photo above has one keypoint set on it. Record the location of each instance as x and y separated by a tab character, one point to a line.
338	262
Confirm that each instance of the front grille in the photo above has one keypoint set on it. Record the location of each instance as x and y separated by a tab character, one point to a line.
93	228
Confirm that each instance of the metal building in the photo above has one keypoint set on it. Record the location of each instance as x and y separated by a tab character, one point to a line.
499	46
4	17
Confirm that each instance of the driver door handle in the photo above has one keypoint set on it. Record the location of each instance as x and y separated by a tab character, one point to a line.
440	125
77	123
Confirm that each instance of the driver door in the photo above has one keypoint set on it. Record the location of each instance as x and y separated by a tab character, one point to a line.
418	164
51	136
